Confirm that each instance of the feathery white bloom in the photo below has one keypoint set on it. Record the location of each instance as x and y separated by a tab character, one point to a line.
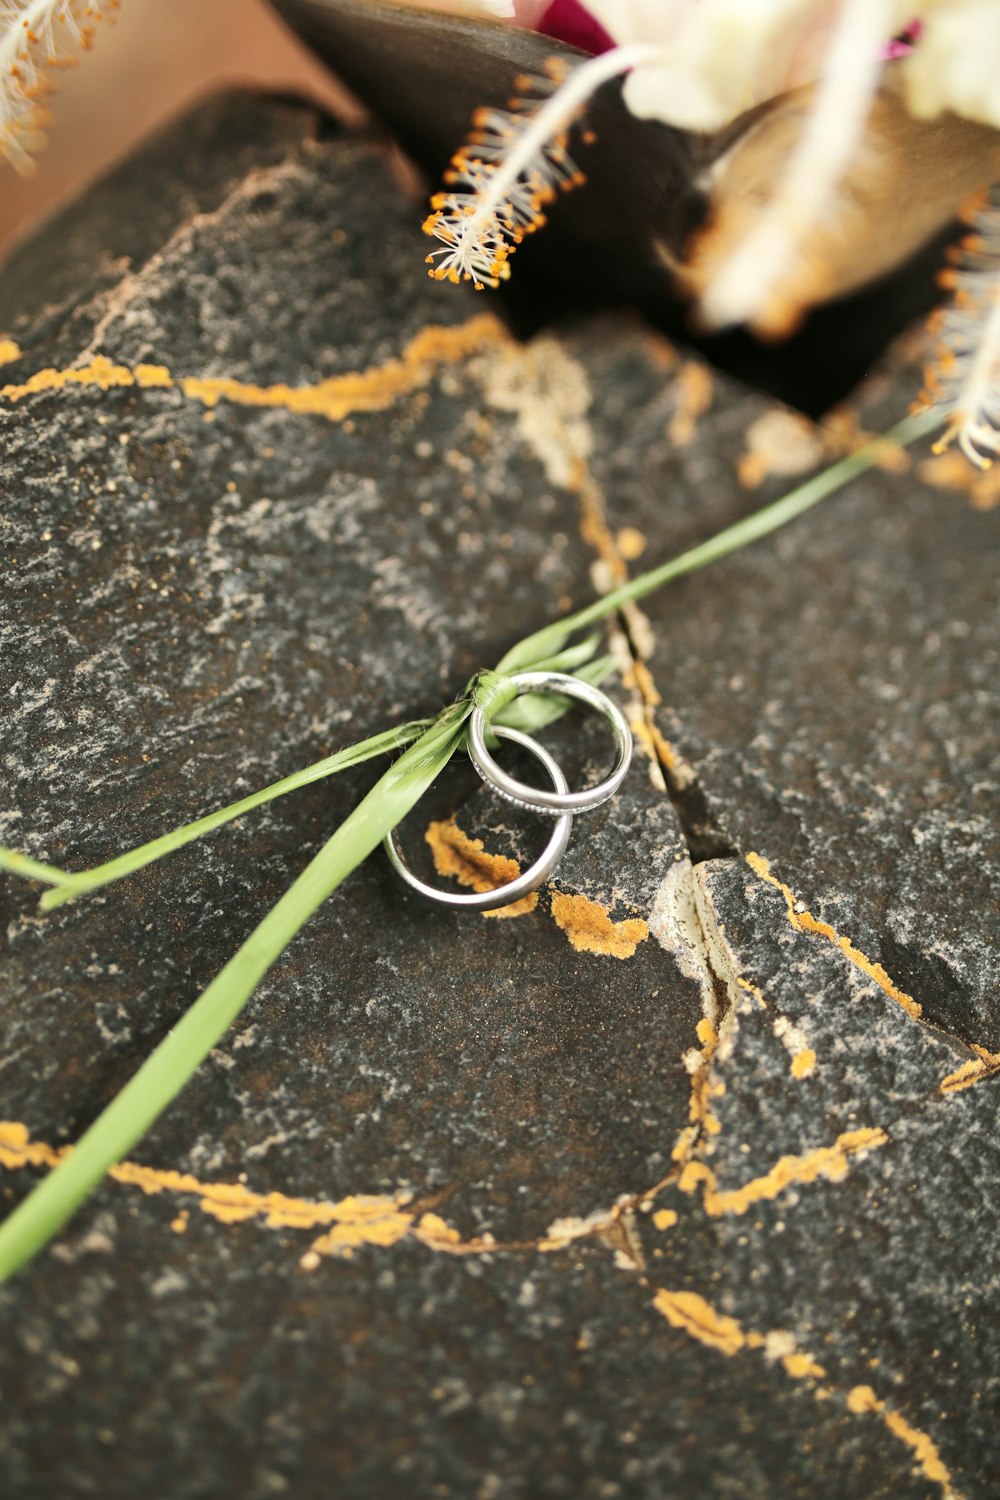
699	65
35	36
724	56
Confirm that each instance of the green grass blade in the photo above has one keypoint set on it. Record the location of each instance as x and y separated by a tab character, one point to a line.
167	1070
553	638
71	886
533	711
31	869
570	660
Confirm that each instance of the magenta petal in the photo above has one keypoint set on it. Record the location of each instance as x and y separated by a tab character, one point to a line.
903	44
568	21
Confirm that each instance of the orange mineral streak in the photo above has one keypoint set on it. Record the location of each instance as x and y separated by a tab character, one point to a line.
348	1224
828	1162
17	1149
656	745
459	857
707	1036
643	680
804	921
9	351
694	396
594	528
863	1399
802	1367
433	1231
804	1063
374	389
369	1221
353	1221
630	541
689	1312
590	929
693	1315
983	1065
335	399
754	990
704	1088
101	373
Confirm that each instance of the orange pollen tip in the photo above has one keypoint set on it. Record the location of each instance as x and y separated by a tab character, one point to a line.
972	206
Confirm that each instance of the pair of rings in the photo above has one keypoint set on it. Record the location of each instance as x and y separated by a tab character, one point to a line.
560	803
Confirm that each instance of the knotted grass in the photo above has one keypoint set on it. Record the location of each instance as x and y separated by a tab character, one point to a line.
427	745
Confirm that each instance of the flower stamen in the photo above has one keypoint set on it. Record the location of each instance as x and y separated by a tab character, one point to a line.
965	377
34	39
742	286
512	168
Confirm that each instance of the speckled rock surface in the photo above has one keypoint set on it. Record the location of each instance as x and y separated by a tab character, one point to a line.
680	1183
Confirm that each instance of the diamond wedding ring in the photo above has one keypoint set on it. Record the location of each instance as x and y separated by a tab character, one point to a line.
559	802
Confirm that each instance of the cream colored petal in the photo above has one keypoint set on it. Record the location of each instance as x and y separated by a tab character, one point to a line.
956	65
729	54
491	10
641	20
822	155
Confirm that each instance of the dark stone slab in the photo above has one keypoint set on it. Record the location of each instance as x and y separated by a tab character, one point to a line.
438	1214
833	691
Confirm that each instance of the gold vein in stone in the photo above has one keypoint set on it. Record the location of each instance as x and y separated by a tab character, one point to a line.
335	399
828	1162
693	1315
804	921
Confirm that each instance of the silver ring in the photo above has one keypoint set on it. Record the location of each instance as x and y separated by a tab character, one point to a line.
529	879
558	802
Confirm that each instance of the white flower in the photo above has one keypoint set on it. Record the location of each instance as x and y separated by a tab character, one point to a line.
723	56
957	64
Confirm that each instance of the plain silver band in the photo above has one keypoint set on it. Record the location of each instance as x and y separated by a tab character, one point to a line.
526	882
558	802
